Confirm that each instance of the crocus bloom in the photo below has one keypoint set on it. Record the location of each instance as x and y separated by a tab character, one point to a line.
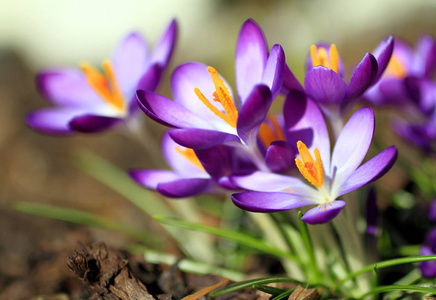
205	111
329	176
428	268
188	177
324	80
405	62
88	101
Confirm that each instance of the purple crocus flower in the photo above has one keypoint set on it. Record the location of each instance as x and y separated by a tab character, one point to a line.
406	62
330	176
205	112
428	268
88	101
188	177
324	81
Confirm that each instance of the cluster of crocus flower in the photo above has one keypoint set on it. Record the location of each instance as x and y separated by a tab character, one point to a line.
226	141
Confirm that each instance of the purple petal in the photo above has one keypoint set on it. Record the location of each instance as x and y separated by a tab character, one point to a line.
66	87
325	86
290	83
352	145
89	123
383	54
150	80
52	120
165	48
251	58
363	76
306	123
201	138
280	156
130	61
370	171
425	57
274	70
151	178
168	112
268	202
185	187
253	113
185	79
432	212
372	215
323	213
217	161
177	161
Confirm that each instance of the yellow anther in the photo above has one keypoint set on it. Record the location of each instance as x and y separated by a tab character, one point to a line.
270	131
221	95
320	57
106	87
190	156
310	168
396	68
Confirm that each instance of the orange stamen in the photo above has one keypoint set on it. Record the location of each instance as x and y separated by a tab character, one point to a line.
270	131
396	68
310	168
320	57
189	154
106	87
221	95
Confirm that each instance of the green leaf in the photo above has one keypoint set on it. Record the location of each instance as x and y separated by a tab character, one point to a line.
307	241
408	288
85	218
241	238
269	289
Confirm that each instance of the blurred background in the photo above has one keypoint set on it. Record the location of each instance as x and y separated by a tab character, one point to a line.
38	34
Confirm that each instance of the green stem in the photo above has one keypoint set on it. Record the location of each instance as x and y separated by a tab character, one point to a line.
410	288
309	248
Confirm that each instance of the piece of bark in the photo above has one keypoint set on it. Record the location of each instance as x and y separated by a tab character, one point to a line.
107	274
301	293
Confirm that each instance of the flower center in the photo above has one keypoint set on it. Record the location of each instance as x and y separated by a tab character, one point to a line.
190	156
221	95
310	168
320	57
106	86
270	131
396	68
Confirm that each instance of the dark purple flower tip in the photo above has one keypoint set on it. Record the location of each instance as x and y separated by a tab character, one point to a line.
185	187
151	79
383	54
428	268
363	76
218	161
294	108
201	138
51	121
273	74
280	156
432	211
325	86
426	55
323	213
290	82
372	214
93	123
164	50
253	112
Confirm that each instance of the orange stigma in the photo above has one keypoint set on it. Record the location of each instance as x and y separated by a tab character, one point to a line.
221	95
320	57
106	87
396	68
190	156
270	131
311	169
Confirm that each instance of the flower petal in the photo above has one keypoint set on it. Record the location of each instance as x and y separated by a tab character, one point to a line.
201	138
352	145
274	70
268	202
164	50
151	178
130	61
373	169
425	57
66	87
363	76
52	120
185	187
253	113
168	112
323	213
325	86
218	161
280	156
291	83
148	82
251	58
383	54
89	123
